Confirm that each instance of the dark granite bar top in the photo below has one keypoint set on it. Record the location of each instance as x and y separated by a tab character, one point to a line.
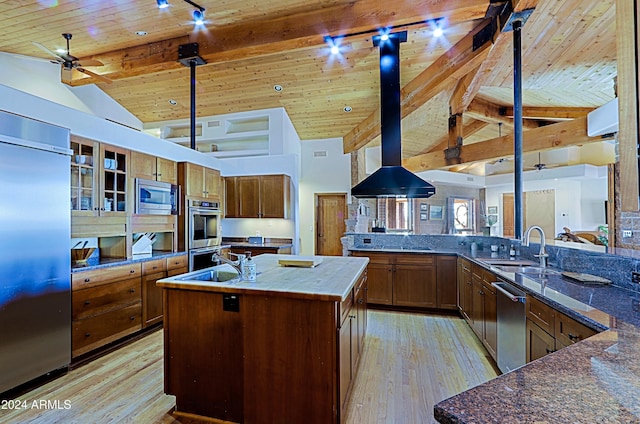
594	381
110	262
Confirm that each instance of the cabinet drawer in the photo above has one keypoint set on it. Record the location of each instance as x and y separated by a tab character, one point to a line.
345	306
409	259
177	262
177	271
375	258
541	314
81	280
151	267
91	333
569	331
98	300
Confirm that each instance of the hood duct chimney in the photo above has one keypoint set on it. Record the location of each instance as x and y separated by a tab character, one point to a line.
391	180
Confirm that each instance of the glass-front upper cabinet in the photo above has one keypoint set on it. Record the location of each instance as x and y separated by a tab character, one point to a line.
115	162
83	177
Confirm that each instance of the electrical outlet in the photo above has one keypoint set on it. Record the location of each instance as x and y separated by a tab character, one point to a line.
367	241
627	233
635	277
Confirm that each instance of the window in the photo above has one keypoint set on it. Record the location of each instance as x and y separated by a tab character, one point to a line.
461	215
396	213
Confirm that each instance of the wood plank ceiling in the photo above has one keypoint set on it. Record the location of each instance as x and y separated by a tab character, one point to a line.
568	60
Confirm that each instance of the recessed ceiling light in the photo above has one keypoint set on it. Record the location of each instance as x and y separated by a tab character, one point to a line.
277	87
172	102
347	109
142	33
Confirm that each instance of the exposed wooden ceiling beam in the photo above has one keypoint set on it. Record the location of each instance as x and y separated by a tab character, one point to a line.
467	130
492	113
499	54
451	66
561	134
252	39
549	113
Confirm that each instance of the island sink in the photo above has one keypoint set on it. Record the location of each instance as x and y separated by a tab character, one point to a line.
215	275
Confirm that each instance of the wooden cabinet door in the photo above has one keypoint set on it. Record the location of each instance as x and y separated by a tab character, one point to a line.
539	342
232	201
466	292
344	344
414	285
152	310
143	166
248	189
85	177
194	186
114	166
380	284
211	183
166	171
477	312
447	282
274	194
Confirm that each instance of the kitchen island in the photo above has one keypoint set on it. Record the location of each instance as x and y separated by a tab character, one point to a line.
281	349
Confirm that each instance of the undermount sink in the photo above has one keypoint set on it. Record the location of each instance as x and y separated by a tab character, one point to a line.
509	262
213	275
529	270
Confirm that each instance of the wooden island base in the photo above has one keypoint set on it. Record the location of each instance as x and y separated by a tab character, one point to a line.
264	357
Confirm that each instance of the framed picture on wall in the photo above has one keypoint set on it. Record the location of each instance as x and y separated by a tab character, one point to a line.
435	212
424	216
424	207
492	210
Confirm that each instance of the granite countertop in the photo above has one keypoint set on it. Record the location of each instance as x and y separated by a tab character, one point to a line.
595	380
99	263
331	280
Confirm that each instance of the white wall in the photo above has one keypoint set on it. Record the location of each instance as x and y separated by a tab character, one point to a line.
328	174
579	199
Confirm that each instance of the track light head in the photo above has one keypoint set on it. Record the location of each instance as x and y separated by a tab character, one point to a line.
198	17
162	4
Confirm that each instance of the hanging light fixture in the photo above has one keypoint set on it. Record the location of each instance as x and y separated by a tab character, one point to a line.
198	13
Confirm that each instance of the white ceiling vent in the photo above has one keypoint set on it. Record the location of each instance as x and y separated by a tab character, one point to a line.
320	154
213	124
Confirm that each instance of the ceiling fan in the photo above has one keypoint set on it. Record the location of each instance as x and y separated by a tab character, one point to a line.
68	63
540	166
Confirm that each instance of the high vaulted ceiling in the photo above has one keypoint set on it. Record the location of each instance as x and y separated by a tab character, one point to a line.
569	62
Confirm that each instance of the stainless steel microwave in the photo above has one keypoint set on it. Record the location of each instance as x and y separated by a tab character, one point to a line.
156	197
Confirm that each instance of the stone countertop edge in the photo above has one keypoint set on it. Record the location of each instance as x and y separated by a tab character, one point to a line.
263	245
331	280
111	262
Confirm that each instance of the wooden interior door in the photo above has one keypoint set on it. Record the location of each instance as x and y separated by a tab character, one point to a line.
330	215
508	215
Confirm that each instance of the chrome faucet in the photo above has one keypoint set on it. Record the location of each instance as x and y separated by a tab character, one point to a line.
238	264
542	255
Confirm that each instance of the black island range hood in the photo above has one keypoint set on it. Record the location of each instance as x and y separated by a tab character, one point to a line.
391	180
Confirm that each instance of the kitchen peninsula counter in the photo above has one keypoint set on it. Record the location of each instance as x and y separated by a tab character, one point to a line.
280	349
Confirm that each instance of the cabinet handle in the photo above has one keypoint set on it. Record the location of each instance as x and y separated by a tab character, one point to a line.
86	302
361	301
550	350
481	293
132	290
573	337
101	209
352	316
86	280
154	267
132	318
131	271
87	334
95	209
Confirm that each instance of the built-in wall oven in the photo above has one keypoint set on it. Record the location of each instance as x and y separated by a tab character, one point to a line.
204	232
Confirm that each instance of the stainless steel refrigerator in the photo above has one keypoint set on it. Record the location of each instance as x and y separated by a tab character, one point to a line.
35	257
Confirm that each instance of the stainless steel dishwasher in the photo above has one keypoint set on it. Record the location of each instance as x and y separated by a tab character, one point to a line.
511	327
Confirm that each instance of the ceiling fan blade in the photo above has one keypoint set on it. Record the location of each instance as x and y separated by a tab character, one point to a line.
90	62
94	75
46	50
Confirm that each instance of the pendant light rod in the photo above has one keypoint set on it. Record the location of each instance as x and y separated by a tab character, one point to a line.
188	56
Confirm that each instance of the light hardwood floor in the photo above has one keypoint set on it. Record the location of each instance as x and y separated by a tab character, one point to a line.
409	363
